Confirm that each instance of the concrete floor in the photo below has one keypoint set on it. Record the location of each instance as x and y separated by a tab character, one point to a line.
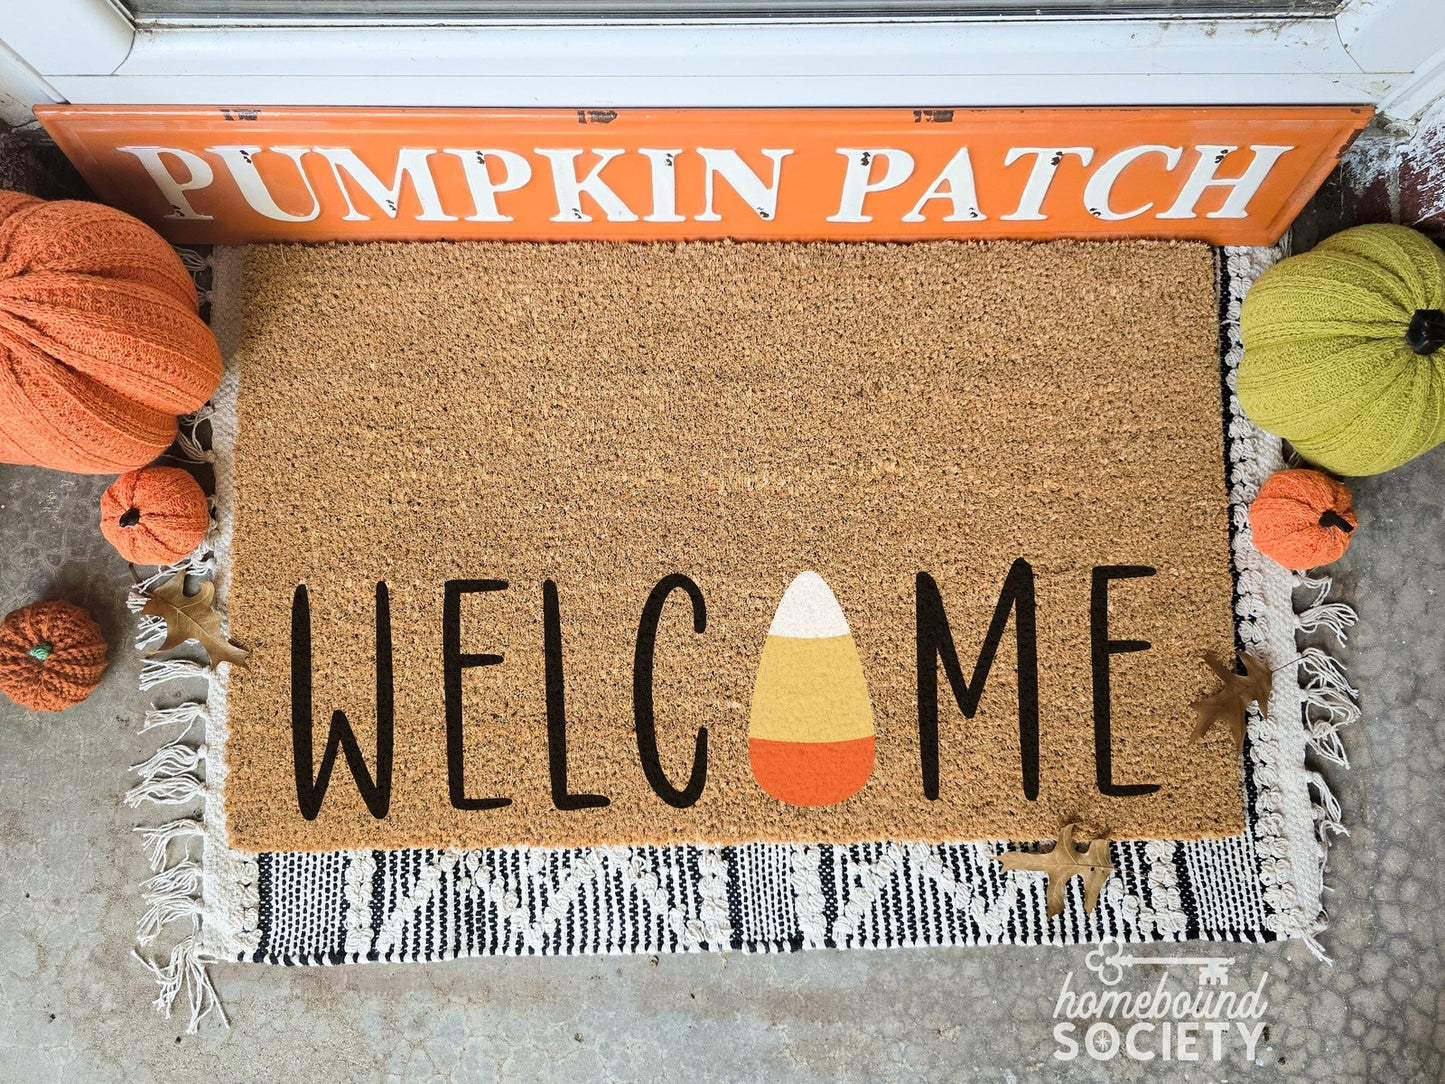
75	1006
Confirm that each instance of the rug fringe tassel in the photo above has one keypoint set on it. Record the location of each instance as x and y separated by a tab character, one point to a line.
188	444
1329	697
156	841
154	672
167	777
198	562
171	895
173	892
1321	615
185	971
177	791
1312	941
173	774
197	263
1327	811
172	759
1323	730
189	713
1329	705
150	632
1331	617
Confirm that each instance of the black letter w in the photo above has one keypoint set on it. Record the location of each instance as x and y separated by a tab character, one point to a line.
376	794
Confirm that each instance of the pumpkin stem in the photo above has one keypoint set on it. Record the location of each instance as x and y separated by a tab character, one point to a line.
130	517
1330	518
41	651
1426	332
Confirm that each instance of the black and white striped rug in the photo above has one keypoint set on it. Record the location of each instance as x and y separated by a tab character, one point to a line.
423	905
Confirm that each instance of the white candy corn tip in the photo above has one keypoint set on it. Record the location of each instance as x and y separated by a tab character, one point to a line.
808	611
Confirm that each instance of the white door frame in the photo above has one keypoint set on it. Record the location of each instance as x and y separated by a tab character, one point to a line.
1389	53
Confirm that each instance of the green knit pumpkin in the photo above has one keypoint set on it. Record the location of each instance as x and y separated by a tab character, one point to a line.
1342	350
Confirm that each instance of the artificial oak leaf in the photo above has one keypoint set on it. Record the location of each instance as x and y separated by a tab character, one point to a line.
1227	705
190	617
1063	862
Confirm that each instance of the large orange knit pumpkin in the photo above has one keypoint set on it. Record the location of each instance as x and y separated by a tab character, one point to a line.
100	343
52	654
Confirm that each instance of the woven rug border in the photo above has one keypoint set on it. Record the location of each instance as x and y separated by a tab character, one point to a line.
213	904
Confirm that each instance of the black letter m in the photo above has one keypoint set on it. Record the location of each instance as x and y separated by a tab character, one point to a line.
935	645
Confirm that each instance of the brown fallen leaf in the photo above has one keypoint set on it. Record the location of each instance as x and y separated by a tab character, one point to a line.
1227	705
190	617
1063	862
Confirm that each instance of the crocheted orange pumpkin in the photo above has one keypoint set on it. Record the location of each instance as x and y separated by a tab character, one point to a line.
100	343
52	654
1302	519
155	515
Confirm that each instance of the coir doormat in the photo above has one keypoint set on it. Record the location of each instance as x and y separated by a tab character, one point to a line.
586	545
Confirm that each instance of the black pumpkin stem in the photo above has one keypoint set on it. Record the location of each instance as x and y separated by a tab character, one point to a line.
1426	332
1330	518
130	517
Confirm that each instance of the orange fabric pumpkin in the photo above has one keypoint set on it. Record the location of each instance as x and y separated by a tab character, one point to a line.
154	515
1302	519
52	655
100	342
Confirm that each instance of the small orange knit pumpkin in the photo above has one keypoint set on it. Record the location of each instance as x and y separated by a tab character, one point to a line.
154	515
100	343
1302	519
52	654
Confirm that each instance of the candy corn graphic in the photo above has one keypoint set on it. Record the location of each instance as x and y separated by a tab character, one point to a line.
810	737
